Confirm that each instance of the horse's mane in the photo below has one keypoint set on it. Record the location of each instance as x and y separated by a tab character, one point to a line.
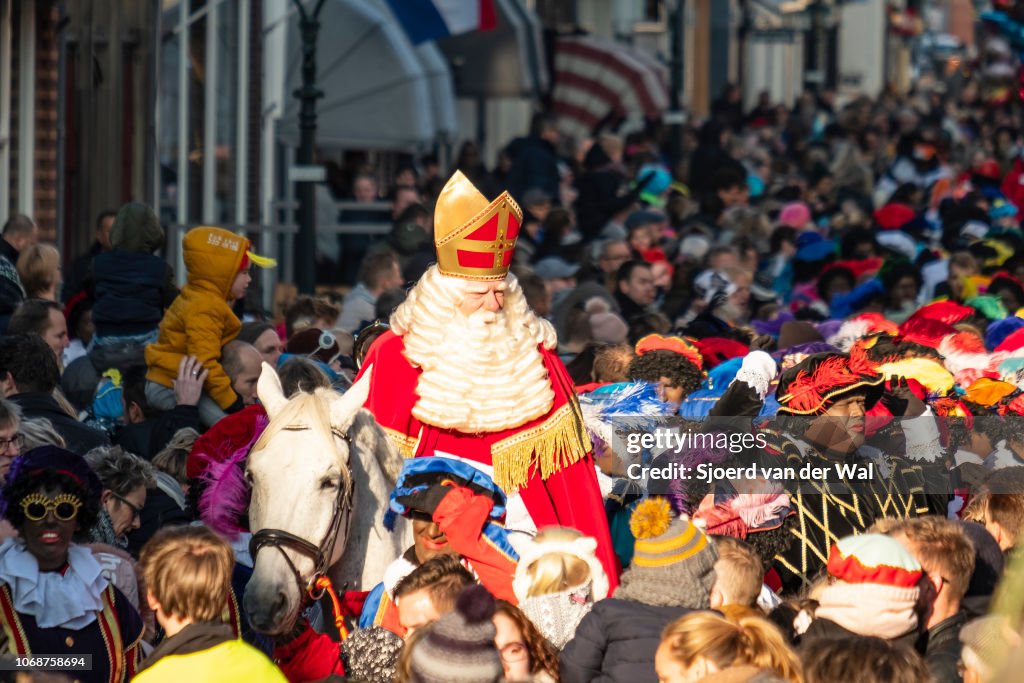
302	410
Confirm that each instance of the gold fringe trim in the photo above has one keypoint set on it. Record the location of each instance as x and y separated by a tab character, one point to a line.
558	442
404	444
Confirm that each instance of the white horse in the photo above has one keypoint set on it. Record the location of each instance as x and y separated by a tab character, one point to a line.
320	476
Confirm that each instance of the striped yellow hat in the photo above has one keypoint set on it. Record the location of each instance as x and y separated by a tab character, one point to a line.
661	538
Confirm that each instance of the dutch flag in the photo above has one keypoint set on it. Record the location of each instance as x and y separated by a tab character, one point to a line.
425	20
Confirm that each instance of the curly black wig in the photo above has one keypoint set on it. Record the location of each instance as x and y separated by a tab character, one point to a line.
653	365
49	480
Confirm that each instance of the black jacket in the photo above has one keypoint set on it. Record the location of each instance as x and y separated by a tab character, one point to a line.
161	509
147	438
80	269
826	628
79	438
131	291
599	197
11	292
534	165
942	651
617	642
629	309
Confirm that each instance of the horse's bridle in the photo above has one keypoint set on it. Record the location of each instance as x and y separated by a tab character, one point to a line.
320	554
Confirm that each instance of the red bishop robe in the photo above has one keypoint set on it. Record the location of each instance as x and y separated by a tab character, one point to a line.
547	459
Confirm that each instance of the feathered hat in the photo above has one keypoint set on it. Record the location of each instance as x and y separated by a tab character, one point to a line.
948	312
217	459
811	386
684	347
927	372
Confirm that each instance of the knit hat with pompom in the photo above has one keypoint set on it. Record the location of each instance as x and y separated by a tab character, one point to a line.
459	647
673	561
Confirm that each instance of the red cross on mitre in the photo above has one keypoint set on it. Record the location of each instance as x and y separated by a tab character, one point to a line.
482	249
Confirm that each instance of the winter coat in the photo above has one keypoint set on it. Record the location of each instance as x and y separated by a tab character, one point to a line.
534	165
131	292
943	649
827	629
78	437
200	321
165	506
616	642
599	197
147	438
11	291
202	653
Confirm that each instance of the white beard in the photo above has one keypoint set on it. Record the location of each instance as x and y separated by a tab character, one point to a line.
479	374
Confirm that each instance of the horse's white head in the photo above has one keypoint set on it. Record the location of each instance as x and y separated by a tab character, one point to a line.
301	491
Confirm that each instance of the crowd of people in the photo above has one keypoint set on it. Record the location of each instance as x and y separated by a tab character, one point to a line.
843	283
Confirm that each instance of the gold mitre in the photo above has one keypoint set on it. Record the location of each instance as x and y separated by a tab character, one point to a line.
475	239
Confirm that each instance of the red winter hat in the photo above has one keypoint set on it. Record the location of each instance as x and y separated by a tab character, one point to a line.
894	216
988	169
717	350
948	312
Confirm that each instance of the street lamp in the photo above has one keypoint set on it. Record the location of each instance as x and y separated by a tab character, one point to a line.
308	94
677	23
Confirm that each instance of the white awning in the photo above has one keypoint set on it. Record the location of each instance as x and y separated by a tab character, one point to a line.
379	91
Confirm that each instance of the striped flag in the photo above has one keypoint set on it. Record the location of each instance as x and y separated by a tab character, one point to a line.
425	20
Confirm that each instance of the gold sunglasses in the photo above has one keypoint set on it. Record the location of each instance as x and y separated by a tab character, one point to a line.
64	507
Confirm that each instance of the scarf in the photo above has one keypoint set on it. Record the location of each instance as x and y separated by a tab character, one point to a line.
870	609
193	638
557	615
70	600
103	532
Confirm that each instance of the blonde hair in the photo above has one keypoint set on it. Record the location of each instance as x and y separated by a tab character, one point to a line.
37	268
38	431
173	459
403	670
739	572
556	571
748	641
188	571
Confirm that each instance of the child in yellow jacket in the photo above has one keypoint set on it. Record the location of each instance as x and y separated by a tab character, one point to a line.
200	321
188	574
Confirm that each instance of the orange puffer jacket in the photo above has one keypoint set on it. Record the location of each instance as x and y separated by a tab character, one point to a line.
200	321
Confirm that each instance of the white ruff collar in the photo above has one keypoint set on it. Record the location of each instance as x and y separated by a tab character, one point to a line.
70	600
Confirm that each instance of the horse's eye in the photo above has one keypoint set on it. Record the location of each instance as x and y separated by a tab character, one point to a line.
326	483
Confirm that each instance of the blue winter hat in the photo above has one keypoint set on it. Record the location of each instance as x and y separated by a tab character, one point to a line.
1002	209
659	181
49	459
811	247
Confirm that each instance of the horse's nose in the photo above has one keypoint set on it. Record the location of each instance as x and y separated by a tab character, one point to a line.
265	615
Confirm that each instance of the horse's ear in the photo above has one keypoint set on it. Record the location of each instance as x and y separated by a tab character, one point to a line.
269	390
345	407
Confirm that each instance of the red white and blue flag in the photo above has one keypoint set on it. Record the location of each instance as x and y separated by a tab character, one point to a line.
425	20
